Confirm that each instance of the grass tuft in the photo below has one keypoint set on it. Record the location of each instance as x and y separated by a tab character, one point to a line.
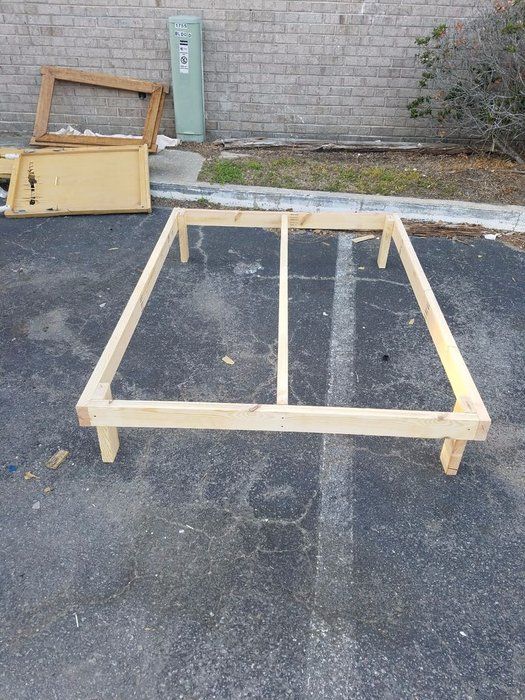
225	172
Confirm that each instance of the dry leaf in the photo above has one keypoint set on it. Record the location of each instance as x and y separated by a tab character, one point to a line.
228	360
29	475
48	490
411	322
56	460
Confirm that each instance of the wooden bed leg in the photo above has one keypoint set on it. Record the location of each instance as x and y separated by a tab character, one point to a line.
451	454
384	245
107	436
109	443
183	237
452	450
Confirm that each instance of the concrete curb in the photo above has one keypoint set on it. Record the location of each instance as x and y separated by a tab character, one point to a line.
505	218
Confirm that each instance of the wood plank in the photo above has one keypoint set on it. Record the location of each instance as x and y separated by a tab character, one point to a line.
108	439
337	220
282	339
55	182
455	368
143	171
158	117
119	340
451	455
155	102
362	239
43	107
184	248
10	191
415	273
270	417
83	140
359	146
74	75
384	245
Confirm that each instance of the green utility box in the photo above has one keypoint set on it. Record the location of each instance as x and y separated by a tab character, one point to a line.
187	76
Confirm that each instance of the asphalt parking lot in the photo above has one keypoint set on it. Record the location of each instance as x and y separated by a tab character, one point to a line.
209	564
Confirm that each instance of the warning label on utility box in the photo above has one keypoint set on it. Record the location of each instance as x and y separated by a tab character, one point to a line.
184	57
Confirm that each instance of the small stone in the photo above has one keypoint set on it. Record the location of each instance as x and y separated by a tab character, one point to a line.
36	505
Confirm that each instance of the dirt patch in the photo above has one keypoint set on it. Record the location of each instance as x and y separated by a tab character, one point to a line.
479	178
207	149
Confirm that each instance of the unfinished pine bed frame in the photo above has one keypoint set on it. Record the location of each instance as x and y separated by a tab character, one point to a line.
50	74
468	420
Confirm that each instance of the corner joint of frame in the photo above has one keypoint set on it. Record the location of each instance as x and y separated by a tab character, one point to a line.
483	426
180	214
84	419
465	404
102	391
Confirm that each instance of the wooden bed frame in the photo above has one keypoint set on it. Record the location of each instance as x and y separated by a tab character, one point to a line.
50	74
468	420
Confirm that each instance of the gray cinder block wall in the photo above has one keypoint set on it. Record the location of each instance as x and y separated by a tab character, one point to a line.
291	68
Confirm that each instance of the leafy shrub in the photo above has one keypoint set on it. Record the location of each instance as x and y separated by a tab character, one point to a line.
473	80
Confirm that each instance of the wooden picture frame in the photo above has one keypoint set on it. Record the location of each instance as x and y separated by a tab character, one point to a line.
50	74
468	420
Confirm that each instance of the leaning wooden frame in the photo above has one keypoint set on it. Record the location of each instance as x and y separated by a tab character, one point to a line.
50	74
468	420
